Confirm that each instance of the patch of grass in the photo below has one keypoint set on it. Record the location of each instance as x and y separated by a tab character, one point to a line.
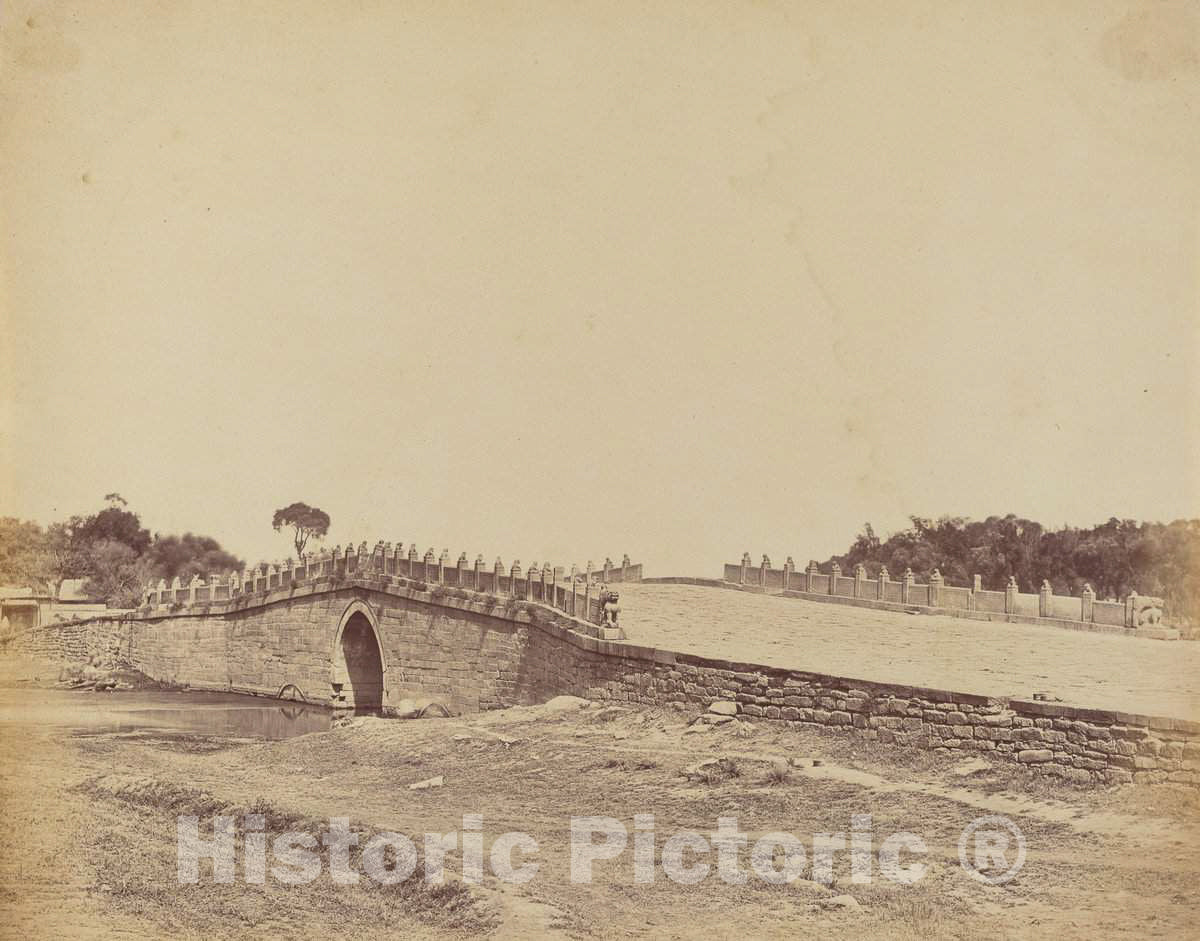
629	764
778	773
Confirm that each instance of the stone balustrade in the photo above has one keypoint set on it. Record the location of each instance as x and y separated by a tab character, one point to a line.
1139	614
577	592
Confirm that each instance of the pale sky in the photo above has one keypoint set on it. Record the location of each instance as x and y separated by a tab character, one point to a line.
552	281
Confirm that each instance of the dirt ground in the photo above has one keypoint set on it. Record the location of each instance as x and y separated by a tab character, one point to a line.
89	846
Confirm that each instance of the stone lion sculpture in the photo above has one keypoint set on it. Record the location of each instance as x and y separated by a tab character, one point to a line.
1147	611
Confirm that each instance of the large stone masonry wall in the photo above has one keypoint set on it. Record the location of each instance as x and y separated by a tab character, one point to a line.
1084	745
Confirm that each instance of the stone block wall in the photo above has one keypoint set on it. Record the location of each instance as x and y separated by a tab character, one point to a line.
1083	745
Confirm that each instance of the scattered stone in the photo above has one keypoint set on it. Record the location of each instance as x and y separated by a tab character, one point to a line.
565	704
723	707
607	715
697	727
970	767
817	762
802	762
460	737
428	783
710	719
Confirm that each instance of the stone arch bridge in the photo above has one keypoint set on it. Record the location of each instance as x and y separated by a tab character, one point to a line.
376	629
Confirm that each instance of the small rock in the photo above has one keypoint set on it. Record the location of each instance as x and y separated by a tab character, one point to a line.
460	737
802	762
565	704
698	727
428	783
723	707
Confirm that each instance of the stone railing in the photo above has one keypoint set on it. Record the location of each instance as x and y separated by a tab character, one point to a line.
1140	613
579	593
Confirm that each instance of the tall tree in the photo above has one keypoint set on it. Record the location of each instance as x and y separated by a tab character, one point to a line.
307	522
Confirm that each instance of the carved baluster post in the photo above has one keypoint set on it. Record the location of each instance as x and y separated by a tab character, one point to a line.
587	593
1087	599
906	586
1131	609
835	572
810	575
479	572
1046	599
625	567
498	577
574	588
607	570
441	566
762	571
883	580
1010	595
860	579
935	588
462	570
514	576
745	568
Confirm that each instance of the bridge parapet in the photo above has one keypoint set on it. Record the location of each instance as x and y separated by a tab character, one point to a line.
582	595
1139	616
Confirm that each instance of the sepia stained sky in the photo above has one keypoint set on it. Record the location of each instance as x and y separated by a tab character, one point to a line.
558	280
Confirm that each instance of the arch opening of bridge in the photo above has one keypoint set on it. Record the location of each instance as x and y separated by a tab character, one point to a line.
358	667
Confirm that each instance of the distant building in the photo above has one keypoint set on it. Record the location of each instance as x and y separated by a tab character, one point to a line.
22	609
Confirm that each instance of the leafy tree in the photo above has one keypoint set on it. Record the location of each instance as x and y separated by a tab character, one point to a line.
189	555
1115	557
110	549
112	524
307	522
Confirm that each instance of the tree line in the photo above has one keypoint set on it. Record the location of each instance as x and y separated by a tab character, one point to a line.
110	549
1115	558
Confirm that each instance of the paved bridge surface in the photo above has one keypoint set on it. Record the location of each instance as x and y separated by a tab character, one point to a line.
993	658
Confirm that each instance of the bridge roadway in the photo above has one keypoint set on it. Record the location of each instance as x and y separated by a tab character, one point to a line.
1084	669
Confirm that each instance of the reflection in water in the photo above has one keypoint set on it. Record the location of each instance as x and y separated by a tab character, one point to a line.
270	722
213	714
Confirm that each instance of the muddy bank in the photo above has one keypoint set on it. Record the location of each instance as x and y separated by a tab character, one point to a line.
1114	861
